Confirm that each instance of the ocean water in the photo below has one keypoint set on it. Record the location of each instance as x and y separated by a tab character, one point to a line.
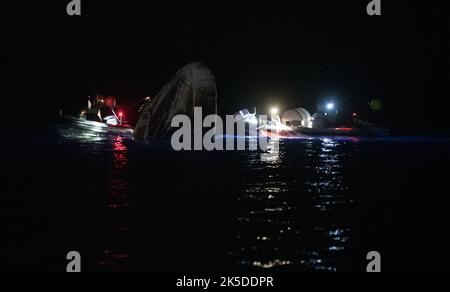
322	205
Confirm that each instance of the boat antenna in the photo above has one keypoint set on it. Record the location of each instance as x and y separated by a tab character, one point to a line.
94	89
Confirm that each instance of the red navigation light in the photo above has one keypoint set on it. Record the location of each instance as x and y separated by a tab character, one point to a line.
120	114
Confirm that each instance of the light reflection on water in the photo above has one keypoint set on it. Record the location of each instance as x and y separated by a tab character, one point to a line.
275	227
296	212
109	158
285	206
119	182
116	253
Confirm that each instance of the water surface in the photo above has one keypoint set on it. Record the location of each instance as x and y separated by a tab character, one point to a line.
322	205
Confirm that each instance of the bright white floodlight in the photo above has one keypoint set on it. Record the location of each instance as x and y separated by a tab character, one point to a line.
274	111
330	106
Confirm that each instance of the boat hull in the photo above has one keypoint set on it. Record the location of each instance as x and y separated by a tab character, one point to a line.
73	123
327	132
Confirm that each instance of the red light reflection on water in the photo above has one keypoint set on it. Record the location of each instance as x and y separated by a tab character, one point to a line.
120	154
118	144
118	181
113	255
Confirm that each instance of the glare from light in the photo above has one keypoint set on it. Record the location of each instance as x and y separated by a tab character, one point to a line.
330	106
252	120
274	111
277	126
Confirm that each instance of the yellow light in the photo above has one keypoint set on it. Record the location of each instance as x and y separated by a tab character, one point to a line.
274	111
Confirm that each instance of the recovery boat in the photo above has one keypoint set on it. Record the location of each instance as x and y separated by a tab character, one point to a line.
102	115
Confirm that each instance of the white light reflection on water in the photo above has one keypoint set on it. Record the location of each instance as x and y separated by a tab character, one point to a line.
283	204
326	185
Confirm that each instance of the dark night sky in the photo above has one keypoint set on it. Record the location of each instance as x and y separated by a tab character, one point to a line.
288	53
